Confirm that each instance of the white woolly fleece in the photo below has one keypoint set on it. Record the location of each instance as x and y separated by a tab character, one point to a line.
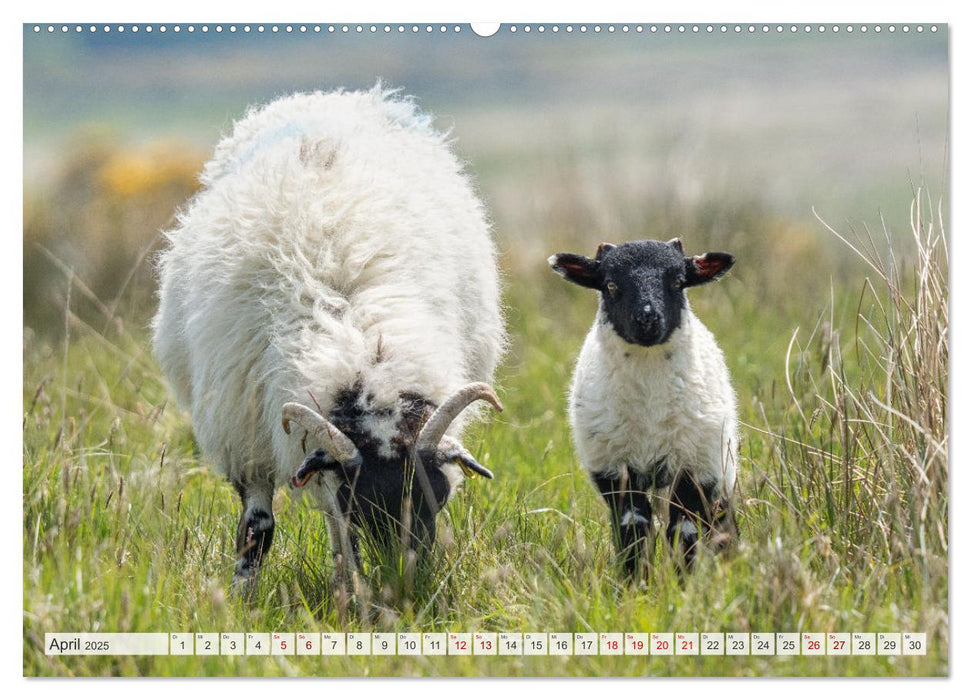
336	239
632	407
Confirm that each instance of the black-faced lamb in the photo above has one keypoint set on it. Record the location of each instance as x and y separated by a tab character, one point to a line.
651	404
329	306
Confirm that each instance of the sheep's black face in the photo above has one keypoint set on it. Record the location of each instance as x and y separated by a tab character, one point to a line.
642	284
643	290
395	501
391	493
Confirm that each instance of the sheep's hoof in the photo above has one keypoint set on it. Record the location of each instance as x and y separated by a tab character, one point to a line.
724	531
636	568
721	542
244	584
684	542
636	559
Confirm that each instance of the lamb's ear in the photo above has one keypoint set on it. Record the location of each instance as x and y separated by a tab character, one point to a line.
705	268
578	269
603	249
676	244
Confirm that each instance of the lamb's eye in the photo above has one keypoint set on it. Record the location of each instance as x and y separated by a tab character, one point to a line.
611	288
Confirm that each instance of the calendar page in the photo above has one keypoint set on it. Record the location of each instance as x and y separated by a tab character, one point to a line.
601	349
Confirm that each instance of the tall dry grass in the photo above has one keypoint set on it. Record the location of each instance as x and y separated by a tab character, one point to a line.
858	458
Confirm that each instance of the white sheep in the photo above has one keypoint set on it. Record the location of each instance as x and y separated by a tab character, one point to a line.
336	271
651	405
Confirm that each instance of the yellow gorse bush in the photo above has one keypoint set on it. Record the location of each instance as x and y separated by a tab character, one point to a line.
144	171
91	228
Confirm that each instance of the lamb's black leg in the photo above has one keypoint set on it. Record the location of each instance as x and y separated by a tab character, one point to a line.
255	532
631	521
692	512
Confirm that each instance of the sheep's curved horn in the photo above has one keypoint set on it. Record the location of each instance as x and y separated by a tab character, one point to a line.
337	444
451	450
433	431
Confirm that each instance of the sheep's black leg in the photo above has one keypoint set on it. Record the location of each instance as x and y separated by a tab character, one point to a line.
255	532
630	516
693	511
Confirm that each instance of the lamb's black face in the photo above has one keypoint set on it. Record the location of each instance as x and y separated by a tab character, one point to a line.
643	290
642	284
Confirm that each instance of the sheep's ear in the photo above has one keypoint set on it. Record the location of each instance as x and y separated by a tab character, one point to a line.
578	269
603	249
676	244
705	268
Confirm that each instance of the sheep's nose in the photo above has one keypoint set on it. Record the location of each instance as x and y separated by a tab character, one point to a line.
646	316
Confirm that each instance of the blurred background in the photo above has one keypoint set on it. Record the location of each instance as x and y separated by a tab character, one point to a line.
725	139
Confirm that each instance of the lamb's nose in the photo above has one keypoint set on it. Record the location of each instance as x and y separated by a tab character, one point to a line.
645	316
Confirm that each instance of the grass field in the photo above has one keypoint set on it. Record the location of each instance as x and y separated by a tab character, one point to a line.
837	348
842	384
